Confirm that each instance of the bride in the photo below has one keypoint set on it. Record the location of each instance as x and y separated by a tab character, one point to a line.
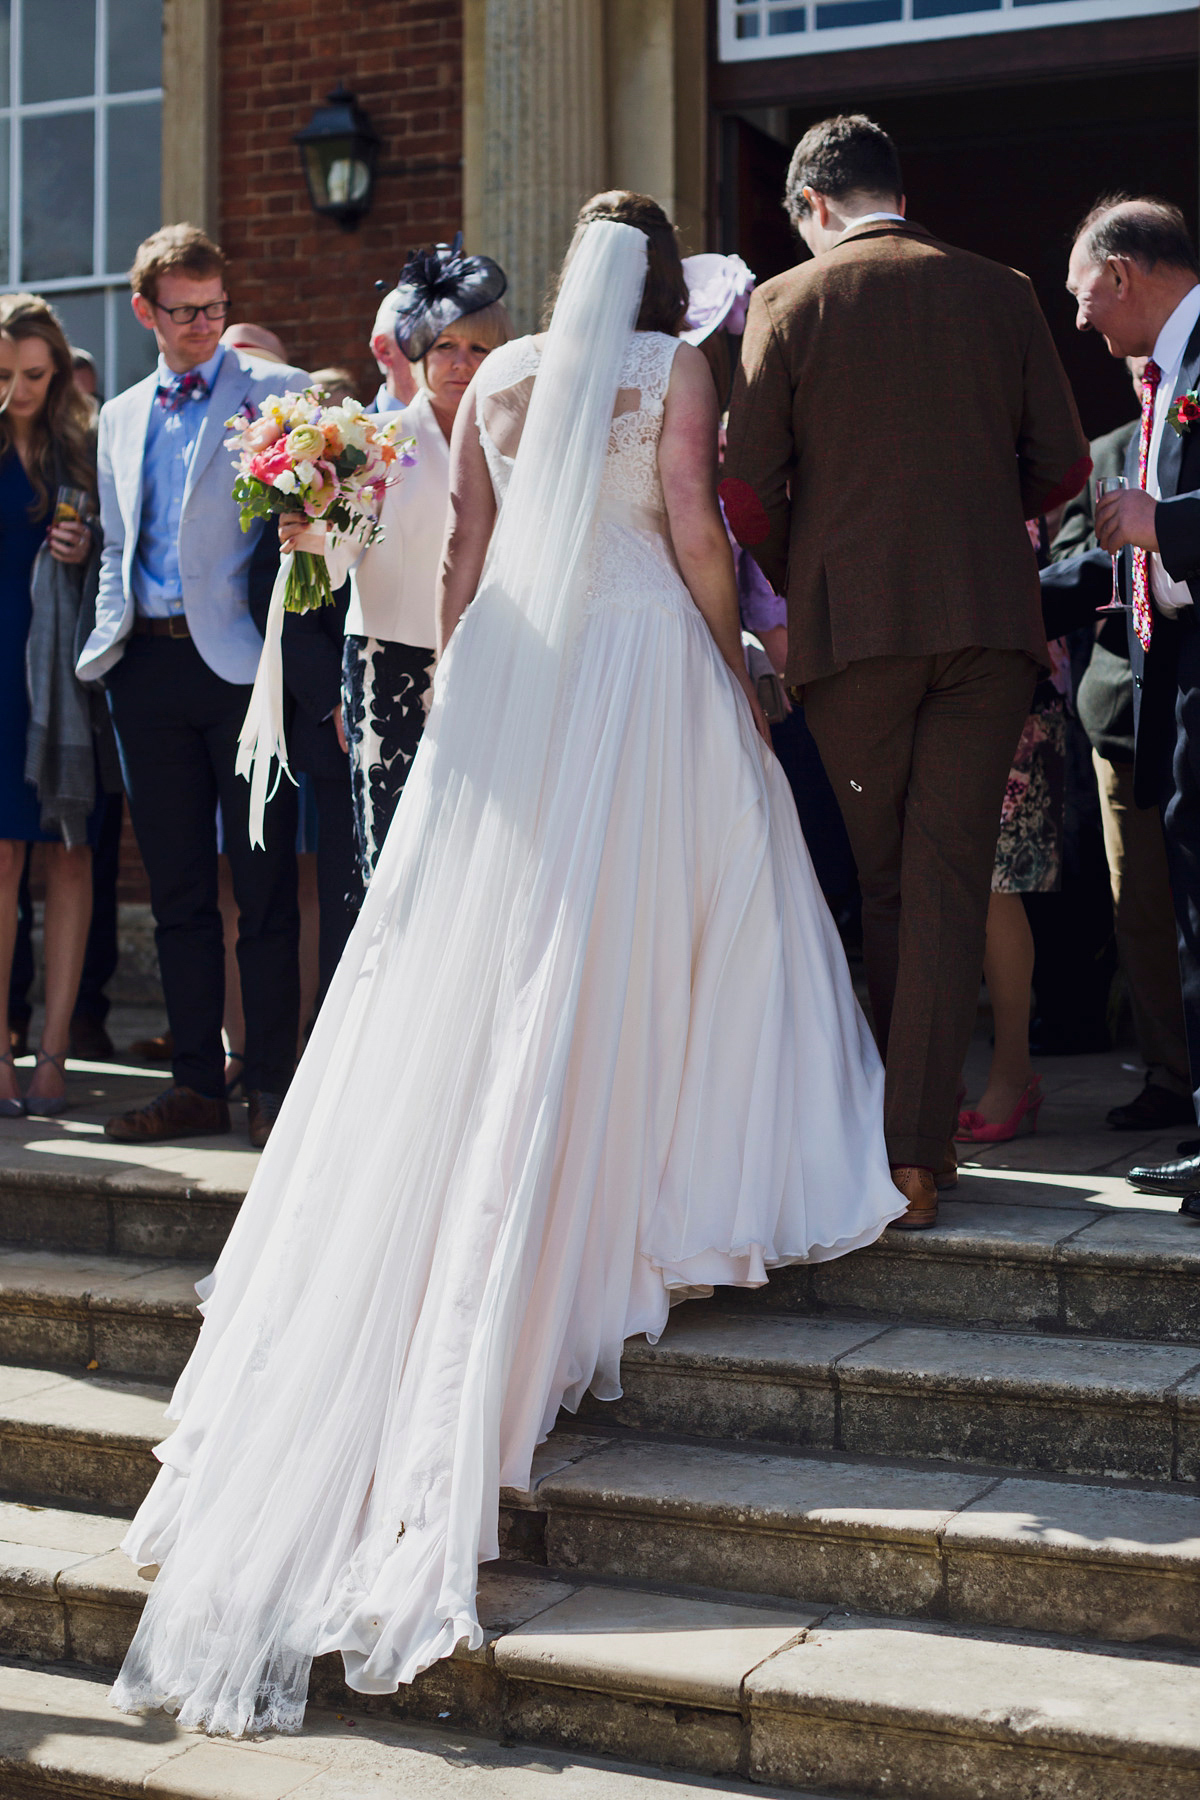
592	1047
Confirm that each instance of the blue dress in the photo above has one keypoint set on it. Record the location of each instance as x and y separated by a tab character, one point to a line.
20	540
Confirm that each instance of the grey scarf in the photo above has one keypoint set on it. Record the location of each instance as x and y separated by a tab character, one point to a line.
59	758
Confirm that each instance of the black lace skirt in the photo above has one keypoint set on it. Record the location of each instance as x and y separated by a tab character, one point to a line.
383	693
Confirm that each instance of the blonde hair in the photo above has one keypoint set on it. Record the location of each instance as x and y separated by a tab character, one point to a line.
61	439
174	250
491	326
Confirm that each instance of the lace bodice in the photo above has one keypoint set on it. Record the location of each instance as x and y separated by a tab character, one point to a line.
502	389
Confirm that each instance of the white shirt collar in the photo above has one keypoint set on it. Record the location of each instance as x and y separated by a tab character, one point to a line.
1172	340
871	219
385	402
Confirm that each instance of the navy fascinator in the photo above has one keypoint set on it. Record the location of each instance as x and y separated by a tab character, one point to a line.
437	287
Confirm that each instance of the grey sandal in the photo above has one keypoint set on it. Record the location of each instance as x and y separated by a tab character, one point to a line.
37	1107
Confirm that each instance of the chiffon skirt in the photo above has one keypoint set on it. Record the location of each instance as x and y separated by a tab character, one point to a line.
486	1176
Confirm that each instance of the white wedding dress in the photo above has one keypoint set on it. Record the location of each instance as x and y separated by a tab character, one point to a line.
584	1056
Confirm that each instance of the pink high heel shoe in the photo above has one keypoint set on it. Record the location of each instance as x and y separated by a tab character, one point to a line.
973	1128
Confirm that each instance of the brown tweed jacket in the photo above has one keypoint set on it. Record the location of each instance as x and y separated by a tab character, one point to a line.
899	412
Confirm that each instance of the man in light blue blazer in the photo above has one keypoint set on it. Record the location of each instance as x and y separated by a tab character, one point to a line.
177	646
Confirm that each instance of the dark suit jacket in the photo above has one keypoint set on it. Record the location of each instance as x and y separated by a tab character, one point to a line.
1104	696
312	674
890	385
1073	589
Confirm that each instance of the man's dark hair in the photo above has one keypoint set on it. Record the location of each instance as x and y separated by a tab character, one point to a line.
1142	229
846	155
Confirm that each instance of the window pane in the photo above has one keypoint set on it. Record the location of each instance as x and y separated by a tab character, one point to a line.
134	45
938	9
747	25
857	12
5	28
788	18
83	319
134	179
5	242
58	57
56	199
137	351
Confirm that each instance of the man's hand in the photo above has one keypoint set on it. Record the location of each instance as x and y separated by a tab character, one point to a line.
1126	517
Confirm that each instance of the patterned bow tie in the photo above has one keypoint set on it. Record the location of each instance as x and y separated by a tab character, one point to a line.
191	386
1143	612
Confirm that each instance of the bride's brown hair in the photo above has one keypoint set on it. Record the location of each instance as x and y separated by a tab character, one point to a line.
665	296
62	444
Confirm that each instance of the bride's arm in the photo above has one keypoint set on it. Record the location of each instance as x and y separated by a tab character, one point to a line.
687	464
470	516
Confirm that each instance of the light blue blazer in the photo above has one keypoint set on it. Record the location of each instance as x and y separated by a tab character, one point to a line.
214	552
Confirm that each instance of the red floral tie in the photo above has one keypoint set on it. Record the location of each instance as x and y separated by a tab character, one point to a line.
1143	615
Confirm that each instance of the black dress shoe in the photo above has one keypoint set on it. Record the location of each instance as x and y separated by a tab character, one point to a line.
1188	1147
263	1111
1154	1109
1182	1177
90	1042
1190	1206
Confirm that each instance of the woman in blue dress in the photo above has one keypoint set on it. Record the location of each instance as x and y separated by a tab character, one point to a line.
45	442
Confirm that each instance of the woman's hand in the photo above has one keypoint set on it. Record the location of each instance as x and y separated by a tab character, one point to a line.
298	532
742	675
69	541
339	725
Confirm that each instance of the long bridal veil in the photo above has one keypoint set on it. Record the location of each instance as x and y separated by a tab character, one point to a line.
351	1407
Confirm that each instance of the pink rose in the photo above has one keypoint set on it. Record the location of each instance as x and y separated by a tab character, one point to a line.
261	435
271	462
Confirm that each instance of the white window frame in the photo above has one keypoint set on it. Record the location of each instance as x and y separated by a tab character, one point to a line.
907	30
113	283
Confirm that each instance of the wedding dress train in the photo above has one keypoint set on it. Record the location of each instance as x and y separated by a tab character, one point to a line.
592	1048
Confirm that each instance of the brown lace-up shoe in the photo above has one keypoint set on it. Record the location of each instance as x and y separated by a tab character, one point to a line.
920	1190
179	1112
262	1112
947	1176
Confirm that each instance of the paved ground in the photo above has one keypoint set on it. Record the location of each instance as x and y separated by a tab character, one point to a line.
1074	1159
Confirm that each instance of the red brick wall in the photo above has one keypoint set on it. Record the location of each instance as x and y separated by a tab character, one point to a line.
302	276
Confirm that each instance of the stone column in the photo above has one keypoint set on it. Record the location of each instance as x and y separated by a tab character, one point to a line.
544	137
191	112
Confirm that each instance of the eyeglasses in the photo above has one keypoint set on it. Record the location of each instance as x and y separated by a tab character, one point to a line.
183	315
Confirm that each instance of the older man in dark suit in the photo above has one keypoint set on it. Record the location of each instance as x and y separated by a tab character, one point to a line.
885	387
1135	278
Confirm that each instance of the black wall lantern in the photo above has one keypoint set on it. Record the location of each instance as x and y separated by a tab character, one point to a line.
338	148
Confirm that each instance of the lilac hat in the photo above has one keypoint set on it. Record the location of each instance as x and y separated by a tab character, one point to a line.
719	289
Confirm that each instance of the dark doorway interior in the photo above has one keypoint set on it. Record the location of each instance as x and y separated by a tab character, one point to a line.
1005	171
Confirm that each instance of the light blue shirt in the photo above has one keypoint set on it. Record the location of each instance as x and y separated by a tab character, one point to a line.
385	402
170	442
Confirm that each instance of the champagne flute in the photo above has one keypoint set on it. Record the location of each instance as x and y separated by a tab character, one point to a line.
1112	484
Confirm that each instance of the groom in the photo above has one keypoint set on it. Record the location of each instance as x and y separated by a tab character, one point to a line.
884	387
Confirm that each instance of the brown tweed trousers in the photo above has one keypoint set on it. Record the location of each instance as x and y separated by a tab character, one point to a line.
899	412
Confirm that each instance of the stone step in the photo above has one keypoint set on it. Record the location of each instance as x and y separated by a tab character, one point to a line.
114	1206
60	1738
132	1315
786	1693
1068	1404
1107	1561
1114	1273
1073	1406
1068	1267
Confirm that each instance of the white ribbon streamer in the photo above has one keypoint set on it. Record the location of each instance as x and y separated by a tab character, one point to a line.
261	740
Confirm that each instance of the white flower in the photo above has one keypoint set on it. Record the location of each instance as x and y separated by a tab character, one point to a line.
285	481
305	473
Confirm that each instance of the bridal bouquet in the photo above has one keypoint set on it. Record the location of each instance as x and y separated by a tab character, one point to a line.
330	462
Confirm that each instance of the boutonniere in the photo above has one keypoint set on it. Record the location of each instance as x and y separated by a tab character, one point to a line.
1184	410
246	414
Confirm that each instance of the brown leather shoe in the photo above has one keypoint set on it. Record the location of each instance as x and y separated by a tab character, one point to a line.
947	1176
179	1112
263	1111
153	1050
920	1190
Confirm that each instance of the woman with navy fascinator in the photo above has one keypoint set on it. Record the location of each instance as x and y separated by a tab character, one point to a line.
447	316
